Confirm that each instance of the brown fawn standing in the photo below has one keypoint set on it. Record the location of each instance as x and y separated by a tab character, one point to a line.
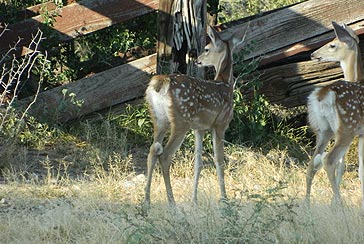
336	110
180	103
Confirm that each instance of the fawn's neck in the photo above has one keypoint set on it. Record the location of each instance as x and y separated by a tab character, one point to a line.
353	67
225	70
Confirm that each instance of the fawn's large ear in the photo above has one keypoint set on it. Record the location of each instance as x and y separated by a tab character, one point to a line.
344	35
239	37
214	35
351	33
236	36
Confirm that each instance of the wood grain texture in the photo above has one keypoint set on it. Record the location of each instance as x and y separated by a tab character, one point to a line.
77	19
111	87
307	45
295	24
290	84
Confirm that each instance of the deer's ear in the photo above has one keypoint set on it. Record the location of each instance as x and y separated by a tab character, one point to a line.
236	36
214	35
343	34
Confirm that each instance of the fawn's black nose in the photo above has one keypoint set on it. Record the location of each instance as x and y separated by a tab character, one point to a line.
193	53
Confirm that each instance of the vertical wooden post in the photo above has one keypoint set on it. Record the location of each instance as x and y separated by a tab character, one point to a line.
164	29
212	11
181	35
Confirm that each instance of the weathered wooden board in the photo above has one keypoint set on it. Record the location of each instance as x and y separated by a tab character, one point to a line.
114	86
78	19
289	84
297	23
307	45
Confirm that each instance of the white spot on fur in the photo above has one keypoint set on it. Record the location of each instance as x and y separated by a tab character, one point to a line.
177	92
341	110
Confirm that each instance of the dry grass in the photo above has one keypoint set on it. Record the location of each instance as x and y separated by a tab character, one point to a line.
266	205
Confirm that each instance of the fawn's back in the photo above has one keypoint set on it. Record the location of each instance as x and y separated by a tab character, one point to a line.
338	106
199	103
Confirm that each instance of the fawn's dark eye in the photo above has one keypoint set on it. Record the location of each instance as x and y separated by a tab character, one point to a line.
333	45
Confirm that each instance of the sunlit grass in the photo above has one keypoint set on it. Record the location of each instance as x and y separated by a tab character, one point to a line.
265	204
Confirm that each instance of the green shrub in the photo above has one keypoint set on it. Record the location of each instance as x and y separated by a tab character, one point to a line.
236	9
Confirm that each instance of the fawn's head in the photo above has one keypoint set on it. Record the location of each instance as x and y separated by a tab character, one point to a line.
215	52
344	45
219	52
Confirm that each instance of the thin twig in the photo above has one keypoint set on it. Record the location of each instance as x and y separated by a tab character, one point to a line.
10	78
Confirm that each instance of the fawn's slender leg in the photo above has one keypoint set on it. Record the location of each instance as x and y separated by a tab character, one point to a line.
160	130
340	169
218	143
322	139
342	144
361	168
174	142
199	134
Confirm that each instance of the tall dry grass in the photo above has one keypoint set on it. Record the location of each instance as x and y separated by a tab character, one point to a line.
266	205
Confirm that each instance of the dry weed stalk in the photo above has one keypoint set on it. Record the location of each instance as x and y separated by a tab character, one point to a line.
12	71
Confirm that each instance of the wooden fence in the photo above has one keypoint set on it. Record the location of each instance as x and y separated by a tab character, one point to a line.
76	19
103	90
277	38
280	37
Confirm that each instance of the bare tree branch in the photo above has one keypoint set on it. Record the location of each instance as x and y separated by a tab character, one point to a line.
12	72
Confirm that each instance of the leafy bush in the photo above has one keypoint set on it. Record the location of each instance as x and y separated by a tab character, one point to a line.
100	50
236	9
137	123
9	9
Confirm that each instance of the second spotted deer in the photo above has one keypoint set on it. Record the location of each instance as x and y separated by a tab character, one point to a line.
336	111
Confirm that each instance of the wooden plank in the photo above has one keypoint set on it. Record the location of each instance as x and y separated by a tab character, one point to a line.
114	86
297	23
78	19
289	84
307	45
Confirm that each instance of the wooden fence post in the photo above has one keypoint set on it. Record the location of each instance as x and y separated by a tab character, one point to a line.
181	35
